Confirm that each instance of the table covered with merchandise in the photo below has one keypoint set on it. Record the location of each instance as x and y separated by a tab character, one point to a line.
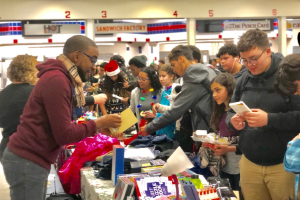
103	167
93	188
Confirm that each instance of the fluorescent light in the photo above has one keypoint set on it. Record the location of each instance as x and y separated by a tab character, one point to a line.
170	20
108	44
10	22
129	20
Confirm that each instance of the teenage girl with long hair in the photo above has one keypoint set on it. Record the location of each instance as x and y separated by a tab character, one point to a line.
222	87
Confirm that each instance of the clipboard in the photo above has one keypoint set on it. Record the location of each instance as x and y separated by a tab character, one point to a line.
128	120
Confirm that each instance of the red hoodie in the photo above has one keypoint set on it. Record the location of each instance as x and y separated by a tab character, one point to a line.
46	120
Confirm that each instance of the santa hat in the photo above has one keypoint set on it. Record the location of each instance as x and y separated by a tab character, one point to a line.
112	68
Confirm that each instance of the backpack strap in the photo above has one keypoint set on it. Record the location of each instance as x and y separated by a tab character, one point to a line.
287	99
244	85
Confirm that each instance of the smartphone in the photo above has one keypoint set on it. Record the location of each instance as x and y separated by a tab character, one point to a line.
240	107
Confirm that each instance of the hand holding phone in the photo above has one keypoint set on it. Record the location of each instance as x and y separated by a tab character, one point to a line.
240	107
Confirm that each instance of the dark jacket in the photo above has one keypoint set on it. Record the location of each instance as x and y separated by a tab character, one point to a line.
194	95
266	145
240	73
46	121
12	102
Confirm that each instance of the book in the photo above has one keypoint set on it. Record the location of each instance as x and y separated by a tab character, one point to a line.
117	163
126	185
128	120
119	190
152	188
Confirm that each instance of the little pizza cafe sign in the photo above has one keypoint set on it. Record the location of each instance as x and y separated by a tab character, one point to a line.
120	28
246	25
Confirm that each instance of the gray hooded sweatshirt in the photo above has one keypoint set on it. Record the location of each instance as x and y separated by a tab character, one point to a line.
194	95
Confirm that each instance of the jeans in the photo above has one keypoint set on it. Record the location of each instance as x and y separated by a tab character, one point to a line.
27	180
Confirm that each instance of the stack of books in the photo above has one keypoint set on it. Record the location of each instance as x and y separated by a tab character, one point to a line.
126	186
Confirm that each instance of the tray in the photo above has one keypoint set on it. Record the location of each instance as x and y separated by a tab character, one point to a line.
207	140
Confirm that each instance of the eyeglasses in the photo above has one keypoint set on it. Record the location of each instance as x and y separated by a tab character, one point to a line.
142	79
253	61
92	59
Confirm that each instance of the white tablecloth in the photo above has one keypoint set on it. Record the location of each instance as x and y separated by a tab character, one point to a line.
93	188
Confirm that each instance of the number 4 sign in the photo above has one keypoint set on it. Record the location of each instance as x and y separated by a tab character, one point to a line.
175	13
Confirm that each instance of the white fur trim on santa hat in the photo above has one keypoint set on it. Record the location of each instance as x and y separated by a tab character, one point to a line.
113	73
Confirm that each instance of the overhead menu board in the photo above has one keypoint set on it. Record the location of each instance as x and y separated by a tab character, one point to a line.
50	29
120	28
246	25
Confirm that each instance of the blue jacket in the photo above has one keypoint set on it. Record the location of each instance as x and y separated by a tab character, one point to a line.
168	130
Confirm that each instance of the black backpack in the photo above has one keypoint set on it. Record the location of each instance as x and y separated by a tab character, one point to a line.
286	98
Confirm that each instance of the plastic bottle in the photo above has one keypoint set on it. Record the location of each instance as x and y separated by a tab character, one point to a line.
196	181
204	196
201	195
212	194
215	193
208	195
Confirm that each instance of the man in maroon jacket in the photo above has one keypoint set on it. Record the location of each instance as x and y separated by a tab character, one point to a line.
46	120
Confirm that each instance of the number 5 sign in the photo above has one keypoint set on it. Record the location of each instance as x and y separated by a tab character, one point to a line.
210	13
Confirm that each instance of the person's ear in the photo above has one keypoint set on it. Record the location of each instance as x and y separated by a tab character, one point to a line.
269	52
74	57
172	76
181	59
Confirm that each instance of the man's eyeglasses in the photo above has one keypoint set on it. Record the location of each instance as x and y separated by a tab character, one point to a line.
142	79
253	61
93	60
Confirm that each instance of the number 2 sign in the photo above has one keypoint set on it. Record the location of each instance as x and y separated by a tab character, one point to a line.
68	13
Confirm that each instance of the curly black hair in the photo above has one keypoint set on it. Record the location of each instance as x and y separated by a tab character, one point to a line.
119	59
230	49
154	79
228	81
108	86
